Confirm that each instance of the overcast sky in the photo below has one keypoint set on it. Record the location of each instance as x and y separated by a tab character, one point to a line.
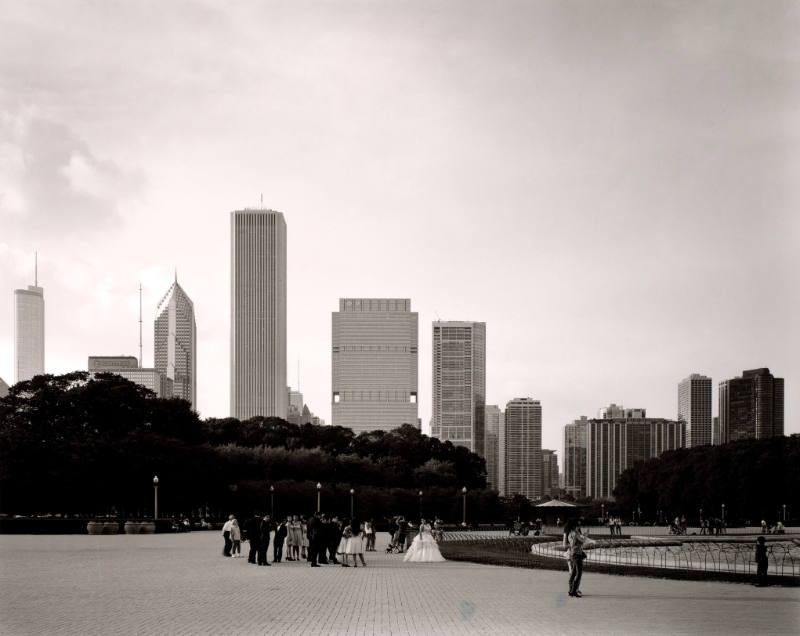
611	186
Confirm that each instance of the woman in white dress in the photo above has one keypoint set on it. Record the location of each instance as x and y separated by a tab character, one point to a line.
424	548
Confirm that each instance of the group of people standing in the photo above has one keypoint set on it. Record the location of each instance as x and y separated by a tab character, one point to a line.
318	539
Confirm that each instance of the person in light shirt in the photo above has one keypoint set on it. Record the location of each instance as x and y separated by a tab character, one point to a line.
226	534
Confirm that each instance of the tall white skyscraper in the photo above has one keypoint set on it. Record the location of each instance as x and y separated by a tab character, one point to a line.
694	408
523	423
459	383
374	364
29	331
258	314
175	342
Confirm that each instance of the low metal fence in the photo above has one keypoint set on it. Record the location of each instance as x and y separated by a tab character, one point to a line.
721	556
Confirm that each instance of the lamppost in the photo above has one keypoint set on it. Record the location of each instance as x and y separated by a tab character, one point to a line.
155	497
464	495
420	506
602	511
272	502
723	514
319	488
352	492
784	514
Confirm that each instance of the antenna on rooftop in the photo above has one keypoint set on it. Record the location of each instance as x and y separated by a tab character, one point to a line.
262	200
140	324
298	374
36	269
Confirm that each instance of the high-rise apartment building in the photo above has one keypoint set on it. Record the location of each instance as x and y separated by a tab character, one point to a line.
374	364
128	368
175	342
549	473
750	407
492	418
3	388
29	331
459	383
694	408
258	314
615	444
575	457
523	463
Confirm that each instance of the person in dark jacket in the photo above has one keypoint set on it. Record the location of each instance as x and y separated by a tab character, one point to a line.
762	562
334	535
263	539
252	531
280	536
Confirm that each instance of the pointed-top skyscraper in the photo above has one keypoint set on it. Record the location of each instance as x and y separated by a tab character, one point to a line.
29	330
175	342
258	314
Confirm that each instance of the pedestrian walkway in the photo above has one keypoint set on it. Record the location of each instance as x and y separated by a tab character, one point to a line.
180	584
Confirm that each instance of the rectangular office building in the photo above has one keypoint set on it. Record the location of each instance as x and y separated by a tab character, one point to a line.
374	364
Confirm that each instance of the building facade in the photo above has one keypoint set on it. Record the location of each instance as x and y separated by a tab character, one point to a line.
523	438
175	342
492	418
694	408
615	444
258	314
459	383
751	406
3	388
374	364
549	473
28	332
128	368
575	457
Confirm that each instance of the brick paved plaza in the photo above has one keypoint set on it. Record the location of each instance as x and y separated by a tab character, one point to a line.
180	584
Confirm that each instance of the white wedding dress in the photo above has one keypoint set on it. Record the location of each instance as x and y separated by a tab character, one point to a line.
424	548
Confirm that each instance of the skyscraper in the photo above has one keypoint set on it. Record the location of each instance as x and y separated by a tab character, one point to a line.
750	407
492	419
575	457
459	383
29	331
549	472
523	465
258	314
615	444
175	342
3	388
694	408
374	364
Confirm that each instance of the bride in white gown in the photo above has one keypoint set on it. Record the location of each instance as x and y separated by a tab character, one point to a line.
424	548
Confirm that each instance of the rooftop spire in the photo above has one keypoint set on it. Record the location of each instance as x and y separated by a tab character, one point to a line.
36	269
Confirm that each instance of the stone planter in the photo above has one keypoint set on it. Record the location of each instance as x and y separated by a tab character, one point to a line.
147	527
133	527
94	527
110	527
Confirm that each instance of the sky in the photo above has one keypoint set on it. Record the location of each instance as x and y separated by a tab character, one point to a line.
611	186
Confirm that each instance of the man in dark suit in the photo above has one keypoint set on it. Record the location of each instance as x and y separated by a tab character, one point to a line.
280	536
314	532
252	530
263	544
334	537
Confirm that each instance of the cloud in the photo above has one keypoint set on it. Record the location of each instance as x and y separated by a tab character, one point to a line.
53	184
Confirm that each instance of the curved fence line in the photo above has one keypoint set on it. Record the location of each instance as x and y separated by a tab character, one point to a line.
784	556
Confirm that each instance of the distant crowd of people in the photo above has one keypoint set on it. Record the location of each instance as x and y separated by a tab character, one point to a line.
321	539
318	539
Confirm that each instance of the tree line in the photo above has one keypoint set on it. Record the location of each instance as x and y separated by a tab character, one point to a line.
753	478
76	443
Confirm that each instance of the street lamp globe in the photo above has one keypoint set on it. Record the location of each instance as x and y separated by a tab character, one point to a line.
155	480
352	491
319	486
464	490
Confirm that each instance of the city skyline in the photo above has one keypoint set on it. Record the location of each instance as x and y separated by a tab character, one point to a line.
542	148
